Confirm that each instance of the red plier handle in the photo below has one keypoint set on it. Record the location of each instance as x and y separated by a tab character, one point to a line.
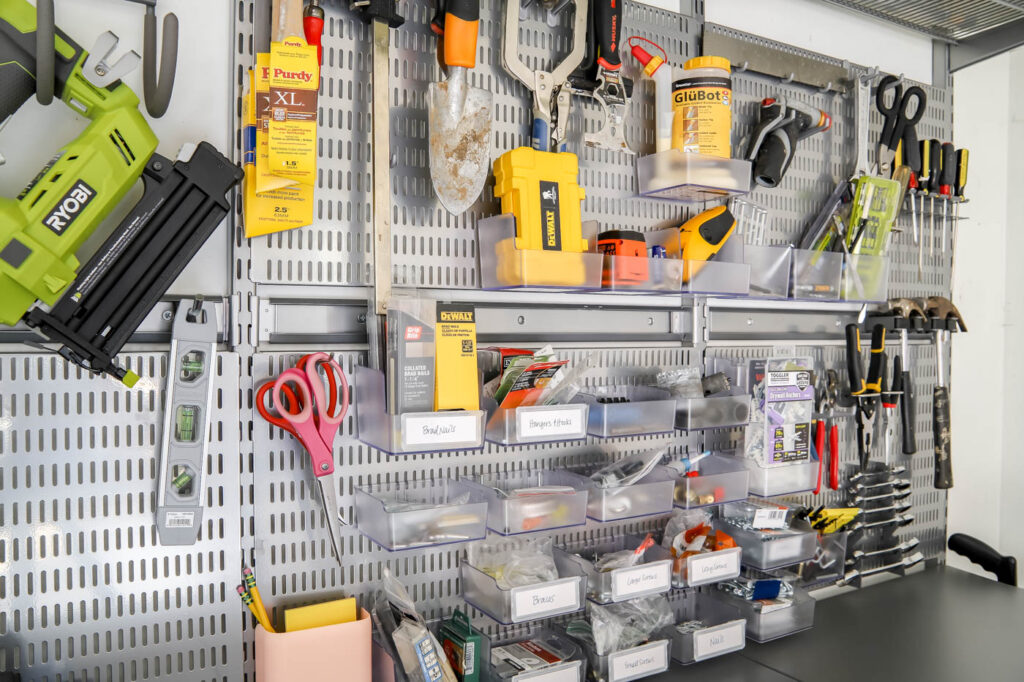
819	445
833	457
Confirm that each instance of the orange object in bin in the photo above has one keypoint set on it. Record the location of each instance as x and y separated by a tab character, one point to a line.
625	257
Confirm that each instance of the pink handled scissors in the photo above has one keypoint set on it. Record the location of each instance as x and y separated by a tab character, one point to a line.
313	415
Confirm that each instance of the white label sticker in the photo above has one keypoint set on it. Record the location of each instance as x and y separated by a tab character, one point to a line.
548	422
545	600
640	580
719	640
638	662
180	519
566	672
770	518
708	568
443	429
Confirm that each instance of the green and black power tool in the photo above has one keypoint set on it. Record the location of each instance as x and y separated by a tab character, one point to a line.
93	310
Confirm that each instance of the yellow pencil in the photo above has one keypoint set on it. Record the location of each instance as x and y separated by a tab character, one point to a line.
247	600
250	583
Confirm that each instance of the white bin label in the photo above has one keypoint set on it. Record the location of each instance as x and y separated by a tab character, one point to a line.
770	518
643	579
719	640
548	599
551	423
706	568
445	429
566	672
638	662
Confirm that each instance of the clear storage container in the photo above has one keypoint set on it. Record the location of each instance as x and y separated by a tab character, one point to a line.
770	268
653	575
707	568
412	432
720	479
715	412
722	630
418	514
828	563
770	549
538	424
646	410
540	645
816	275
678	176
634	663
865	278
650	495
786	479
503	266
725	275
510	512
566	594
768	622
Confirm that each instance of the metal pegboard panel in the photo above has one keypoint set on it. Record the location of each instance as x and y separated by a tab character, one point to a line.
86	591
929	504
432	248
293	558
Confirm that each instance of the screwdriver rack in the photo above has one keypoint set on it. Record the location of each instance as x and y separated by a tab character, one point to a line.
137	610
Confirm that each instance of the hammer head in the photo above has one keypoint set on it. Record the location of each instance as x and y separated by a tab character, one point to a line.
906	307
943	308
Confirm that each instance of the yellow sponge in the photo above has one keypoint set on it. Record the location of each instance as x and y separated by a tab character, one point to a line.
319	615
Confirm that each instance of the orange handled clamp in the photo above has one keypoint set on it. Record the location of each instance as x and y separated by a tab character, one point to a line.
461	25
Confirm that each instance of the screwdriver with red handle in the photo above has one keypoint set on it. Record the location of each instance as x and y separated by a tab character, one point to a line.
313	27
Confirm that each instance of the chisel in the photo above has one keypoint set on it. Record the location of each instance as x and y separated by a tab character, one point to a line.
940	420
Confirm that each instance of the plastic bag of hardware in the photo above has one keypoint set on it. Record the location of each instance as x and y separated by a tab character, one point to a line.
628	470
682	521
564	386
625	558
682	382
627	624
514	563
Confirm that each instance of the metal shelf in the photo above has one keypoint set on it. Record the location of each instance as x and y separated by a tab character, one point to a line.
950	20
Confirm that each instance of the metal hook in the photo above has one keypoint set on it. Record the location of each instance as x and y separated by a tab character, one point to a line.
196	314
158	91
825	89
742	67
899	81
790	78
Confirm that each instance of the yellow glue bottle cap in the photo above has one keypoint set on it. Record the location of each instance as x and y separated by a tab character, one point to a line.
708	62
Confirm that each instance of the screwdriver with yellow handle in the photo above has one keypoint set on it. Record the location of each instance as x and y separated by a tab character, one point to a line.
959	182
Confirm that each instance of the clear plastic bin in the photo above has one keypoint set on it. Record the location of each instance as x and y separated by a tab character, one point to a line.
725	275
675	175
648	410
570	668
829	562
503	266
722	479
708	568
522	604
770	268
786	479
865	278
816	275
771	549
652	576
630	664
533	512
412	432
538	424
724	630
773	623
715	412
418	514
650	495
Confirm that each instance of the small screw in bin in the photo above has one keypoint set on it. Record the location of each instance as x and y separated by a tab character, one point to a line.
719	479
648	496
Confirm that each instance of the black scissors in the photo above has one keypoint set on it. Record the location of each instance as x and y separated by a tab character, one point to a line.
897	124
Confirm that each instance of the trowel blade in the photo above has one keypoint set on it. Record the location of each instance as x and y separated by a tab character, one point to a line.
460	139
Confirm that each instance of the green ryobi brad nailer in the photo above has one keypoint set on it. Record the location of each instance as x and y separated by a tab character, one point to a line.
93	310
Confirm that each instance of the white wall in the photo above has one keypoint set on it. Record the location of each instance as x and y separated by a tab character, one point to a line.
988	368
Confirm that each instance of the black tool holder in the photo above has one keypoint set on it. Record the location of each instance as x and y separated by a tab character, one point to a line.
182	204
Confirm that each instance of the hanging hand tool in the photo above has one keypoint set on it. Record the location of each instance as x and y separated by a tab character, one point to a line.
891	397
934	160
902	548
382	15
460	116
866	391
895	484
910	151
856	576
610	92
552	93
940	308
899	521
960	182
892	471
157	91
896	119
924	187
826	403
781	124
313	27
891	509
947	176
895	494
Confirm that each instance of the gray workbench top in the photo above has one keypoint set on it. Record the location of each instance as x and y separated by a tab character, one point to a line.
938	625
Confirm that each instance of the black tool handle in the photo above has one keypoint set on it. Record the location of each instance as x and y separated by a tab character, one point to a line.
911	149
853	362
437	21
941	437
608	25
961	172
1004	567
908	413
379	10
947	176
891	393
876	366
934	164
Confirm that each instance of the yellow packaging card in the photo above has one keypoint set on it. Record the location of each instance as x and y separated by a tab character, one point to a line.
294	84
265	179
319	615
274	210
456	384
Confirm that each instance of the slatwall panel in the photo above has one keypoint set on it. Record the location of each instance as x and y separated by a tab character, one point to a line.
86	590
